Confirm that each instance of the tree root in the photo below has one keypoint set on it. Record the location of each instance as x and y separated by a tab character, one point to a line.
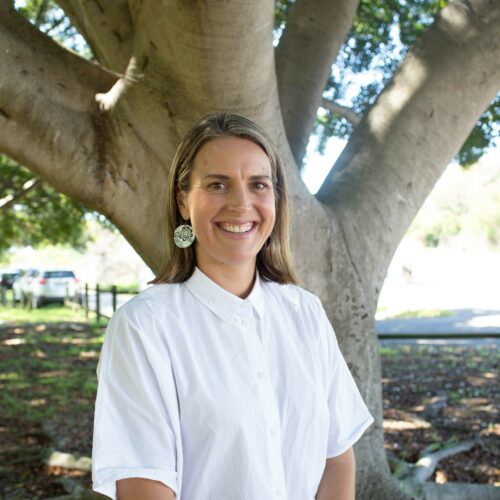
426	464
413	476
56	458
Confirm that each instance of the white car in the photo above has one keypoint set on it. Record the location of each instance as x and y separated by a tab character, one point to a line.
53	285
22	285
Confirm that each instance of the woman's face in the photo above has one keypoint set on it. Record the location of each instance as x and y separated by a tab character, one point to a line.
230	202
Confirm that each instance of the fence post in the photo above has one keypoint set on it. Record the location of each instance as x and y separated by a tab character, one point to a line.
87	300
98	303
113	292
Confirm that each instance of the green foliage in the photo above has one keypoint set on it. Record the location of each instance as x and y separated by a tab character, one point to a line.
127	288
423	313
382	34
443	229
281	8
483	135
49	18
465	209
43	216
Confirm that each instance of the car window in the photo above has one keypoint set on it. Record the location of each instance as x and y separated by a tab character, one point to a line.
58	274
5	277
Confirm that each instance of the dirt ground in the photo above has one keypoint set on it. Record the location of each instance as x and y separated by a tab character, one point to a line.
433	397
438	396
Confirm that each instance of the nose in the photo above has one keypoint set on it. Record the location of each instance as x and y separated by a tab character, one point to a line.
239	197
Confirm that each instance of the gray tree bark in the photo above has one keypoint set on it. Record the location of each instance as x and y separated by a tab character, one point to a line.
105	134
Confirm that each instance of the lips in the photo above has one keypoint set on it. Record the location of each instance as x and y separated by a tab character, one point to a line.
236	228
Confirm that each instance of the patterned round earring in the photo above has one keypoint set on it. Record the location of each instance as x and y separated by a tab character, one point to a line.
184	236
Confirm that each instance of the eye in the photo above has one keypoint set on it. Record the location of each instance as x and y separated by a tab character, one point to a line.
216	186
260	186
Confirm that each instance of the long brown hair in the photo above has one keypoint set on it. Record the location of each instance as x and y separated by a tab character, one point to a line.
274	260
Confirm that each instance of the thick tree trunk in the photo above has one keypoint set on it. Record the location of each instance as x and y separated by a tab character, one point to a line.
420	120
108	138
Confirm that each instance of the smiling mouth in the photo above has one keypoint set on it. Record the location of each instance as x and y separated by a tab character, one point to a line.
233	228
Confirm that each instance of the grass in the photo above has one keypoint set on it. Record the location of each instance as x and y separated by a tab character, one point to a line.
47	363
421	313
51	313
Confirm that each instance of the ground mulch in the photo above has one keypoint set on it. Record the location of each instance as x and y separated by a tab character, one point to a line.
437	396
434	396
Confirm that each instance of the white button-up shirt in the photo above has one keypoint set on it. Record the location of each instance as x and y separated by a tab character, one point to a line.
223	398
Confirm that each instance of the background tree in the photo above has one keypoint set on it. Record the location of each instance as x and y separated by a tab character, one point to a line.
34	213
105	133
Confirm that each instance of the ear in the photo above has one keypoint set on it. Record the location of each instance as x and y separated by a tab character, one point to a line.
180	198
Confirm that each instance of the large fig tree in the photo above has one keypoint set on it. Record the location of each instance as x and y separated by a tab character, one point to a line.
104	132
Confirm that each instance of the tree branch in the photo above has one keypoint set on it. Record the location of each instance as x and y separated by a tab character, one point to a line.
11	199
314	33
47	107
106	27
51	123
206	56
419	122
343	111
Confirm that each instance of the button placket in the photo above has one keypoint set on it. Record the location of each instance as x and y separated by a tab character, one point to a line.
270	411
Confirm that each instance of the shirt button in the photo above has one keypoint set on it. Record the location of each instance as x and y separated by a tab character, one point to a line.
260	375
272	432
278	492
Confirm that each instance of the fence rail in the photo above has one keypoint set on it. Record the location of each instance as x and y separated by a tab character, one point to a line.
104	300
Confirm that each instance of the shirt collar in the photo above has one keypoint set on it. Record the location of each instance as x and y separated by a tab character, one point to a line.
223	303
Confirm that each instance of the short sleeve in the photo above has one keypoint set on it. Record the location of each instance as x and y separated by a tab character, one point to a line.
135	411
349	416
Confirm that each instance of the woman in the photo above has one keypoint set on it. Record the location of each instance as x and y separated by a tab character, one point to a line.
224	380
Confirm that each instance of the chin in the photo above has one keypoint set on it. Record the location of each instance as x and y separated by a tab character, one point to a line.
239	260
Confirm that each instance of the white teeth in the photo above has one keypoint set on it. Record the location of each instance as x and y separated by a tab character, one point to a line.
237	229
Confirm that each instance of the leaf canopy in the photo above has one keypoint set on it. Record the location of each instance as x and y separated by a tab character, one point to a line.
40	217
381	36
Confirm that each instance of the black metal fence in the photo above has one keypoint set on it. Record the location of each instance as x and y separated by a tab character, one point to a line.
103	301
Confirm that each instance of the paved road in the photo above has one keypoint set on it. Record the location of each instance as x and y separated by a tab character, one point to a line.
479	342
481	321
445	330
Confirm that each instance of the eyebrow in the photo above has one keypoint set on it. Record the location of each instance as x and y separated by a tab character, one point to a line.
227	177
